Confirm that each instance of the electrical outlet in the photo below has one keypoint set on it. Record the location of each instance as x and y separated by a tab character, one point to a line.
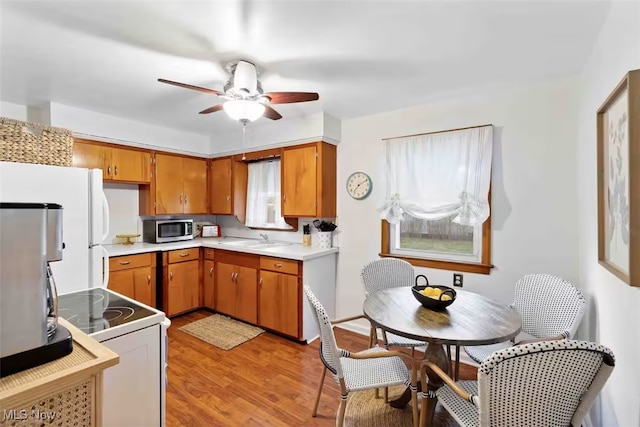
457	279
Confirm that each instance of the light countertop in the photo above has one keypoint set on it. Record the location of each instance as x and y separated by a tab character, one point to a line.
289	250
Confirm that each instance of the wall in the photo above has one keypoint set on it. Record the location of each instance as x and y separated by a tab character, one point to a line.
614	310
13	111
129	132
267	134
533	184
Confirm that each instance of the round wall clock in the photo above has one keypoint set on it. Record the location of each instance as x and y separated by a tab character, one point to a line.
359	185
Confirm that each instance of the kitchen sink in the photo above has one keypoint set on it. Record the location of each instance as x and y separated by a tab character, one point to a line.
254	244
244	243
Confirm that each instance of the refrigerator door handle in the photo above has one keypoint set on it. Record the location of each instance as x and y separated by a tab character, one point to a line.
105	268
105	217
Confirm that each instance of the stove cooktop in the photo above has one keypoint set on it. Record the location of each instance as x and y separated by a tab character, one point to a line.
97	309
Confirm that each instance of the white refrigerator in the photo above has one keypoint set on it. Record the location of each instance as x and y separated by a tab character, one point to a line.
85	216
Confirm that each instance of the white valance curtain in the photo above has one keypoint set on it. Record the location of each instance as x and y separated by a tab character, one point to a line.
263	195
437	175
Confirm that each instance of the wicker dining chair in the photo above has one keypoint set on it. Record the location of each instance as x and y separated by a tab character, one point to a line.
550	308
369	369
386	273
546	383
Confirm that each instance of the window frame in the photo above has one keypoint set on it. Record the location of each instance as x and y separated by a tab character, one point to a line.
483	267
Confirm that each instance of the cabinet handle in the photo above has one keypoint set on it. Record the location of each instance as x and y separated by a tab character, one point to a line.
233	276
184	254
125	262
211	271
108	170
149	280
277	264
115	169
186	199
228	198
171	275
180	198
260	282
284	198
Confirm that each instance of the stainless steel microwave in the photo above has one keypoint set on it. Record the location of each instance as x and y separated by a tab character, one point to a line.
167	230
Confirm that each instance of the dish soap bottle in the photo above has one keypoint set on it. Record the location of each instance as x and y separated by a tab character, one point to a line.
306	235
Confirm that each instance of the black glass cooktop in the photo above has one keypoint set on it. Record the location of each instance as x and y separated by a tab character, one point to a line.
97	309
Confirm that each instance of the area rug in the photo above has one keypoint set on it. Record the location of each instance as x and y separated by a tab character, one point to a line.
222	331
364	410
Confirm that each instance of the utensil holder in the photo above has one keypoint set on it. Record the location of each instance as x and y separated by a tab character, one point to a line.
324	239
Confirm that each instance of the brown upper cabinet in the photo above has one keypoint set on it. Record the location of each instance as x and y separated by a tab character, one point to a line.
181	185
228	187
117	164
309	180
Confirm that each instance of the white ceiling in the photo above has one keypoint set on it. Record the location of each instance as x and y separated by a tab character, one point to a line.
362	57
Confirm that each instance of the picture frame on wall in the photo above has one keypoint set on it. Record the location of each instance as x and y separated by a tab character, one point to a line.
618	141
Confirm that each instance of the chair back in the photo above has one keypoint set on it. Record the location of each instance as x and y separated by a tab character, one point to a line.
548	305
386	273
329	351
547	383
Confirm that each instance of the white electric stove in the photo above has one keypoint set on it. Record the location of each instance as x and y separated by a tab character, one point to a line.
134	389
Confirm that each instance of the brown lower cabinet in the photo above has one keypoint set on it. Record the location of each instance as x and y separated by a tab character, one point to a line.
134	276
181	280
236	285
279	296
209	280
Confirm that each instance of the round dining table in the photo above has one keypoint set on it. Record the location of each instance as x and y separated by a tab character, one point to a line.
472	319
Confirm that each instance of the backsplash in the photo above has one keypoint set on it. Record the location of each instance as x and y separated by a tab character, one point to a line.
125	219
124	212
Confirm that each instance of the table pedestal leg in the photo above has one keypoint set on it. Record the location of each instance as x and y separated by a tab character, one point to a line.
431	382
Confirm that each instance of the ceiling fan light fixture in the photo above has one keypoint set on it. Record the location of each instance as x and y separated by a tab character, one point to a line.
243	110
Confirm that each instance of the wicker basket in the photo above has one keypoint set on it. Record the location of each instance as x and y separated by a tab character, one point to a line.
25	142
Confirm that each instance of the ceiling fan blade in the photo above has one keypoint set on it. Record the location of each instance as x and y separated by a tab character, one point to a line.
211	109
270	113
186	86
290	97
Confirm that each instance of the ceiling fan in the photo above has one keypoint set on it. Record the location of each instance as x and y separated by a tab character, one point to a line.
246	100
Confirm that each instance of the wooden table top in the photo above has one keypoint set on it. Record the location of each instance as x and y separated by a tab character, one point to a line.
472	319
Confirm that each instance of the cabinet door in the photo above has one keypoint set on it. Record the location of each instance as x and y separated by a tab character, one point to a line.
130	165
91	156
168	184
247	294
182	293
225	288
279	302
122	282
209	294
194	172
299	186
143	288
220	186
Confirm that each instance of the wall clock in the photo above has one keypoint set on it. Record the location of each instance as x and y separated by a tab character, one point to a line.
359	185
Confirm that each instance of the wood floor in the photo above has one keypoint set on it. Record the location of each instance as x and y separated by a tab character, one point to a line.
268	381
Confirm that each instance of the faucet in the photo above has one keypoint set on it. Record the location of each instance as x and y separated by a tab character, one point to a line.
265	237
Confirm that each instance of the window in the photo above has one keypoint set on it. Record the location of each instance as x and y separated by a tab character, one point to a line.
437	207
263	196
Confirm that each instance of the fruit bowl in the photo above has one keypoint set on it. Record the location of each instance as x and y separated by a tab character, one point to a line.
434	303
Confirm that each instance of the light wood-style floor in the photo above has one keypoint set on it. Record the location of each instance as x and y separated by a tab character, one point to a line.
268	381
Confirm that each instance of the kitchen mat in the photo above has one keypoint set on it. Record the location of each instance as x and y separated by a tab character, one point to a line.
222	331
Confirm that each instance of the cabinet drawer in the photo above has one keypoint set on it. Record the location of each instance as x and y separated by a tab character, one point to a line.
184	255
208	254
278	264
129	261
